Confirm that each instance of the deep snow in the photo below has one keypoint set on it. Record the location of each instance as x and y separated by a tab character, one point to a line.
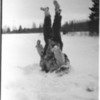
23	80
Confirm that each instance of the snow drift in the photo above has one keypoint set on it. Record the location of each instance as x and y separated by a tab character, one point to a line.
22	78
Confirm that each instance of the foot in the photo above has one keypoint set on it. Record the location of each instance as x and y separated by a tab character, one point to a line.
57	7
46	10
56	4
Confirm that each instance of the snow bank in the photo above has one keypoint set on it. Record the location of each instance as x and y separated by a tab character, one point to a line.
22	78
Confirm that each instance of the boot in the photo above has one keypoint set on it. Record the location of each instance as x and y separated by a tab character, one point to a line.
56	4
46	10
57	7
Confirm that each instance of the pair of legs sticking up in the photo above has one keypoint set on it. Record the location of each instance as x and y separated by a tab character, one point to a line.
52	32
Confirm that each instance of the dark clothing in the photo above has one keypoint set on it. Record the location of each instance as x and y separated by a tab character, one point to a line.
53	32
56	29
47	31
47	28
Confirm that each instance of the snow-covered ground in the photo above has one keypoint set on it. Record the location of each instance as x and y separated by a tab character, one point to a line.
23	80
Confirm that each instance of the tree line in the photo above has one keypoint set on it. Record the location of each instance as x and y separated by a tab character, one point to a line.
91	25
75	26
72	26
34	29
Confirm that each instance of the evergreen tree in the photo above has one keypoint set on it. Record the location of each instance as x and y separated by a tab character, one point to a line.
65	28
20	28
34	25
94	18
8	30
40	29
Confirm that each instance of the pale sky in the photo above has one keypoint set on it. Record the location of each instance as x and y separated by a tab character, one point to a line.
25	12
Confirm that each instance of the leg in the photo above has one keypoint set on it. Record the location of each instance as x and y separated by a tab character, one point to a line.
45	48
47	27
56	29
47	31
57	26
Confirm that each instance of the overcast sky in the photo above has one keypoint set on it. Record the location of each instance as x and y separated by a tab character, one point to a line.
25	12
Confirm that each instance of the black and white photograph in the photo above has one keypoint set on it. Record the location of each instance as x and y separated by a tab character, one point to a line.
49	49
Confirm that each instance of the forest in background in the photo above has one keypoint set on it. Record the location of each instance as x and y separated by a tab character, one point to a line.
91	25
